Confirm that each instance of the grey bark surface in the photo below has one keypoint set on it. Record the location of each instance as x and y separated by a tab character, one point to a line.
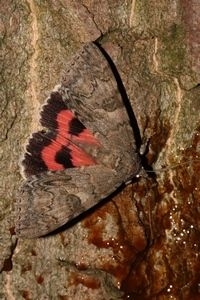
144	242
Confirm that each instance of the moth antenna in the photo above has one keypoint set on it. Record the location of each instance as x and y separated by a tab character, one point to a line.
168	168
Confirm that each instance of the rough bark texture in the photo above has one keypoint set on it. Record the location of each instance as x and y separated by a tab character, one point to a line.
143	243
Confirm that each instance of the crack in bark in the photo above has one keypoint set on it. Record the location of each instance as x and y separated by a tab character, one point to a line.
93	19
8	129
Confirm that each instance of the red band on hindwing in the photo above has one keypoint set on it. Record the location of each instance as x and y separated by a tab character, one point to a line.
60	147
63	139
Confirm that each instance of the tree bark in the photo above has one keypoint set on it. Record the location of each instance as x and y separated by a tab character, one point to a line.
144	242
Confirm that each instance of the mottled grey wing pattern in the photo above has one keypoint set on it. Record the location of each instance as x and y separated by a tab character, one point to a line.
48	200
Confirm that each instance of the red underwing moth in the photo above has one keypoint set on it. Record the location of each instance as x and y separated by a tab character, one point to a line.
85	151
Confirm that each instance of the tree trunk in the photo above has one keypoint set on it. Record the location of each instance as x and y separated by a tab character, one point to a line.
143	243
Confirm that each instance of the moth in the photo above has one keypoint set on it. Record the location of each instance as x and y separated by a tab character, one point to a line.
84	153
